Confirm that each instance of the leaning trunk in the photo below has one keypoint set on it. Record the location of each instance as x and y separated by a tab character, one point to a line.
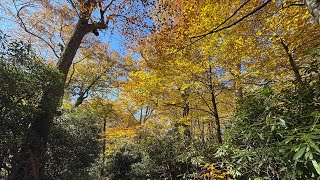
216	117
293	65
214	108
31	160
314	9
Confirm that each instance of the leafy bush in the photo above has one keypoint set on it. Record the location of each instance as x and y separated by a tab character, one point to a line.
170	157
73	146
120	165
23	79
276	135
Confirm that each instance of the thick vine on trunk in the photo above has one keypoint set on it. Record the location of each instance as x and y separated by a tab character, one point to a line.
31	158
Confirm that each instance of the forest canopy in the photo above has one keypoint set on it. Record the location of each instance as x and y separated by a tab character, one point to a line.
159	89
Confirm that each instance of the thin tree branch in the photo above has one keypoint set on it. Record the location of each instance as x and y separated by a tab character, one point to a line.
108	6
217	29
294	4
234	13
74	6
176	105
132	115
22	24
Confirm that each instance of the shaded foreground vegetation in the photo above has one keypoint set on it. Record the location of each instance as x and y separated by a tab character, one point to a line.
216	93
273	134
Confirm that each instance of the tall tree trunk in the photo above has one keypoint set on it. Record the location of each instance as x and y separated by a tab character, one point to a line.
185	113
293	65
104	146
216	117
186	108
214	108
314	9
31	158
238	84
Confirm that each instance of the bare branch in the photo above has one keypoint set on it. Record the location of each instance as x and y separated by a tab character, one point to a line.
108	6
116	15
207	104
197	109
217	29
143	57
22	25
131	113
74	6
103	10
234	13
293	4
60	34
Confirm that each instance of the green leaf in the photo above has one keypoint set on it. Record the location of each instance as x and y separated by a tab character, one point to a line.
282	122
308	148
314	146
299	153
311	156
306	155
286	141
316	166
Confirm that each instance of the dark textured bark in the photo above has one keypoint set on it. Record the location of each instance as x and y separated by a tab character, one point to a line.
214	108
185	112
293	65
216	117
186	107
104	140
79	100
31	158
2	165
314	9
72	46
238	84
104	128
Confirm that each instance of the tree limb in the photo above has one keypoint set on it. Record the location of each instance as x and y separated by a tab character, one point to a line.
22	25
176	105
217	29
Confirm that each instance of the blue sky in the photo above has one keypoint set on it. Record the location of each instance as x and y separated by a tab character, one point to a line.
115	39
